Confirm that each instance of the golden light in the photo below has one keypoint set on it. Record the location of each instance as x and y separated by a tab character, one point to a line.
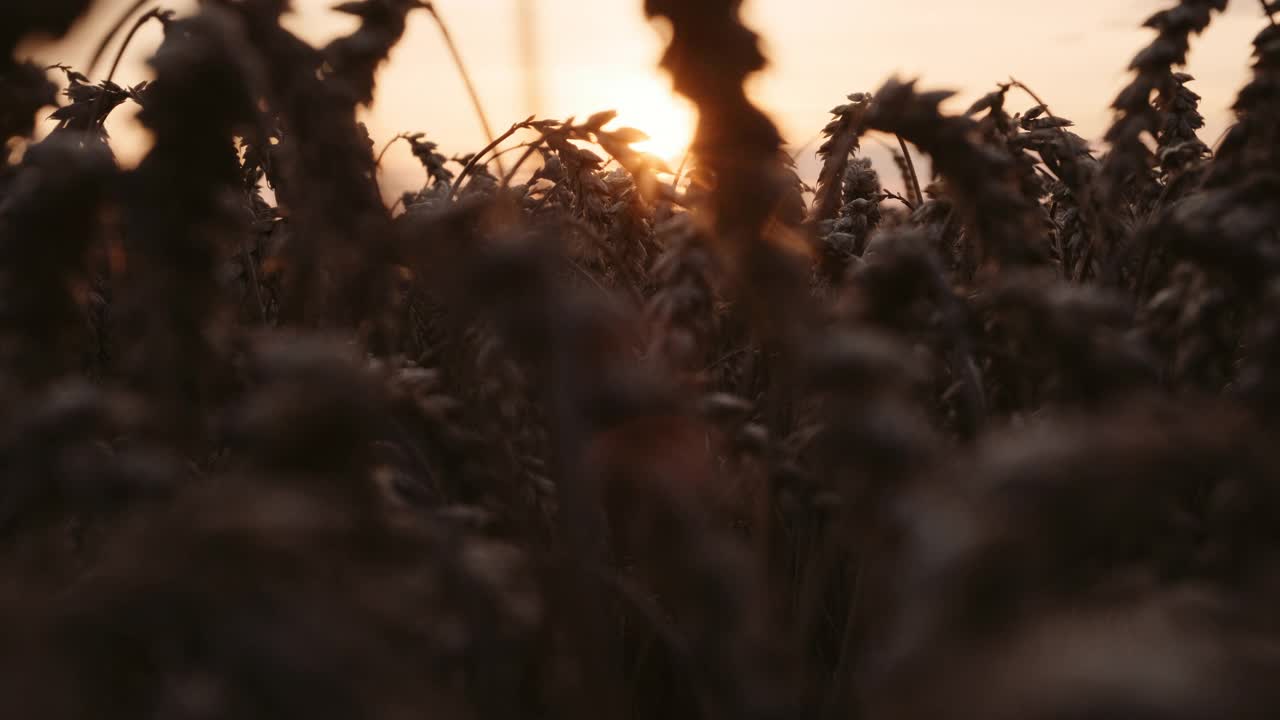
649	105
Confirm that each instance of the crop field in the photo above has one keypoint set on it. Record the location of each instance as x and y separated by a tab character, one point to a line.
571	432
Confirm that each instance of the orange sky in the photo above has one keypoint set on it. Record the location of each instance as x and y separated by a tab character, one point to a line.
601	54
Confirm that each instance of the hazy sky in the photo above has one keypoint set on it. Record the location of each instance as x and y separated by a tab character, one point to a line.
601	54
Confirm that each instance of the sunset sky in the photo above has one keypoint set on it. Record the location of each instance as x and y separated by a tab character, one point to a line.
602	54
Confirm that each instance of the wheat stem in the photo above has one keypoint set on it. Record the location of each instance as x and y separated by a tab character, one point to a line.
916	194
111	35
385	148
466	76
152	13
475	159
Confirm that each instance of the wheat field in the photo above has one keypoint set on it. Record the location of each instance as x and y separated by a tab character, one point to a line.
975	426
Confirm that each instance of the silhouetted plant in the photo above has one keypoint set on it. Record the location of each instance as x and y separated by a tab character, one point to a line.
572	436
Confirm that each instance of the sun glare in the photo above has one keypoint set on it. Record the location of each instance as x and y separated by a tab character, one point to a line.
649	105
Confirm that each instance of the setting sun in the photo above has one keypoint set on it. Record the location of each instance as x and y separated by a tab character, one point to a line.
649	105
